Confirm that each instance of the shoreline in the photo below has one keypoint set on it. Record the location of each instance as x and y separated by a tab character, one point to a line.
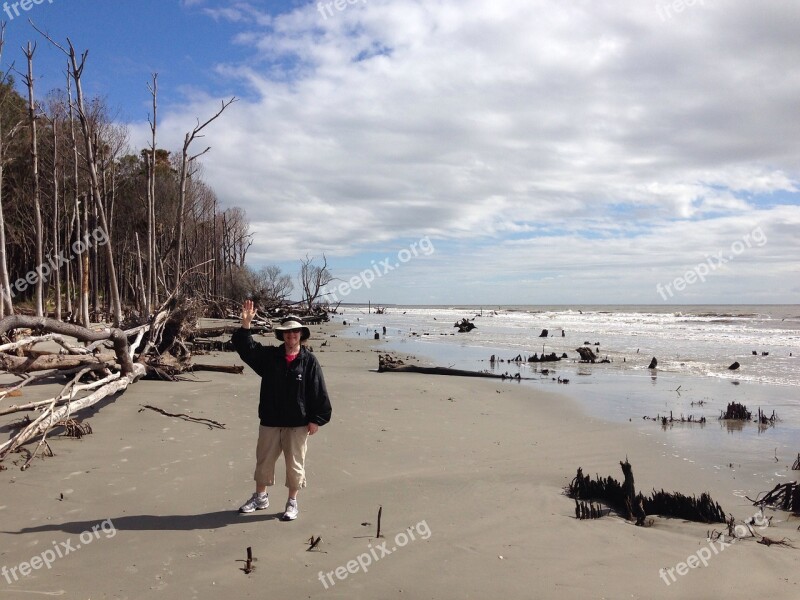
741	453
482	463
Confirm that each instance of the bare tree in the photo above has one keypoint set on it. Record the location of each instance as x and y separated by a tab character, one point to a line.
186	162
275	286
76	70
56	265
29	51
313	278
6	305
151	288
81	222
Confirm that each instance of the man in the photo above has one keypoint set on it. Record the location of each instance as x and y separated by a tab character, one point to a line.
293	405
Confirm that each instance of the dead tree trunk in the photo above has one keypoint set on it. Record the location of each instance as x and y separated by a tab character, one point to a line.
56	263
81	219
186	162
387	364
37	209
151	288
6	304
76	70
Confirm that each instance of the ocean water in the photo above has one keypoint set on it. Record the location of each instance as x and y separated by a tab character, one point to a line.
694	346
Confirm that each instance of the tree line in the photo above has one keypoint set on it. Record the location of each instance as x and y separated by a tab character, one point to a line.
91	231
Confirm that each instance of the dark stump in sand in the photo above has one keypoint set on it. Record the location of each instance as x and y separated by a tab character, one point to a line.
465	325
653	363
734	366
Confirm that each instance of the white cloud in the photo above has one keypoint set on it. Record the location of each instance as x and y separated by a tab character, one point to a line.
629	137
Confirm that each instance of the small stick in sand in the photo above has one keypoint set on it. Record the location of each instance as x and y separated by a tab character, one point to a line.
314	543
248	564
210	423
380	511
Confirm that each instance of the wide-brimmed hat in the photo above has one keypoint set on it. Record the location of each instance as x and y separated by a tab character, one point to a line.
290	323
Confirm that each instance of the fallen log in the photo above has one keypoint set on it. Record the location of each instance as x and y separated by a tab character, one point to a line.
23	364
390	366
208	332
206	345
234	369
117	336
31	341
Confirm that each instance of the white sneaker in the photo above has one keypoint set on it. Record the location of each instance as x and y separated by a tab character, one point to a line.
256	502
291	511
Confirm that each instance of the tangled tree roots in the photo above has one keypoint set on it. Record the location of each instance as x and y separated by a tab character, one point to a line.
622	498
785	496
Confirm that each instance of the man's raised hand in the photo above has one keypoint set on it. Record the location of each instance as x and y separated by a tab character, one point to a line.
248	312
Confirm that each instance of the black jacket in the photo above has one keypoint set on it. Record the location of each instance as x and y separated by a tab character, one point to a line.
292	395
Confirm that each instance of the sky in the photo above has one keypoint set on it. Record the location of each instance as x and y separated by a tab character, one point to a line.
473	151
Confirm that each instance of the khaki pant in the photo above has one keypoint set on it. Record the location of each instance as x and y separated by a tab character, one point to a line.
271	442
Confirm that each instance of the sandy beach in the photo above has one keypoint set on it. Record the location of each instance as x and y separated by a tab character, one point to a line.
469	474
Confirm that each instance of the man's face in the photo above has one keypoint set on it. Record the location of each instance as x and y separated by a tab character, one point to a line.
292	336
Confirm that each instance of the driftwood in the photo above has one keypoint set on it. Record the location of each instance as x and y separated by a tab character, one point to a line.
60	408
50	417
465	325
200	345
552	357
653	363
785	496
109	355
234	369
117	336
48	362
622	498
796	465
387	364
586	354
211	424
670	420
209	332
